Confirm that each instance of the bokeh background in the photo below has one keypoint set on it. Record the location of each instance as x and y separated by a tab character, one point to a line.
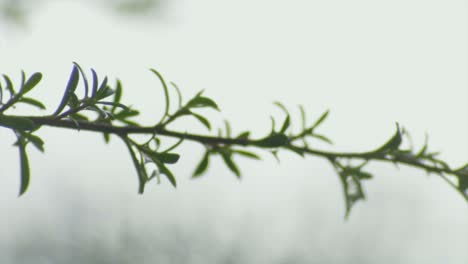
371	63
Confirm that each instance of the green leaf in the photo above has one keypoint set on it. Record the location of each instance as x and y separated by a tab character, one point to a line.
164	170
105	92
393	143
273	124
322	138
351	181
202	120
282	107
462	175
106	137
36	141
357	172
320	120
95	83
117	95
79	117
171	147
274	140
73	101
17	122
69	90
244	135
32	102
126	113
463	184
31	82
169	158
142	179
24	163
228	128
352	190
364	175
9	85
298	151
202	165
159	159
114	105
423	150
166	94
201	101
142	168
179	94
227	157
83	75
303	117
245	153
102	88
285	125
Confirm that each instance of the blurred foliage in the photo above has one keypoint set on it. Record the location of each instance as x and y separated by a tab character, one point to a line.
18	11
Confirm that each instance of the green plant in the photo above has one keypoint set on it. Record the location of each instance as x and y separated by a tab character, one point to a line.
114	118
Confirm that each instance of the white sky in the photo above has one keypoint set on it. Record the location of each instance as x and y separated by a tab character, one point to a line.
371	63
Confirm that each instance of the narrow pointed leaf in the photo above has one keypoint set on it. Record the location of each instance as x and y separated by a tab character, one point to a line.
244	135
173	146
24	163
117	95
69	90
202	120
102	88
303	117
31	82
126	113
36	141
282	107
393	143
169	158
322	138
202	165
228	128
106	137
32	102
201	101
9	85
166	94
245	153
85	79
164	170
227	157
321	119
179	94
94	89
141	176
299	152
285	125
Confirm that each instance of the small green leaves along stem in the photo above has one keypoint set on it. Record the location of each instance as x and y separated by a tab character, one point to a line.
116	118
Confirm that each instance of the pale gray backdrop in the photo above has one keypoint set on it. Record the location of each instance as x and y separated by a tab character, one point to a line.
371	62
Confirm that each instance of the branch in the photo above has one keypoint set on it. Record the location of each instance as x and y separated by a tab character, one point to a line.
116	118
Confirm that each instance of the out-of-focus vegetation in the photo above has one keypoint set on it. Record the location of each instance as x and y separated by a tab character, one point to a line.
17	11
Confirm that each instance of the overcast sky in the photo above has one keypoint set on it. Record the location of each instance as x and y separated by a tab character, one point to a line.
372	63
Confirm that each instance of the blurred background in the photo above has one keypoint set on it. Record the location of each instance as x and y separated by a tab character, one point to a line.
371	63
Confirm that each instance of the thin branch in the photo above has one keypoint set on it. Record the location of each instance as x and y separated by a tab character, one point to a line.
214	140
